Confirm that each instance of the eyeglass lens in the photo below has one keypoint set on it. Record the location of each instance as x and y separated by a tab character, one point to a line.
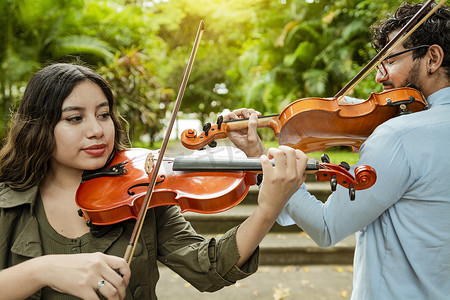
382	69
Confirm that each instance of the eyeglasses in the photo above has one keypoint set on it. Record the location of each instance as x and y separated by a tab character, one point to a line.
381	66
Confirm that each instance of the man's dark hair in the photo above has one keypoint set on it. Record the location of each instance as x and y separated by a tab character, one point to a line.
434	31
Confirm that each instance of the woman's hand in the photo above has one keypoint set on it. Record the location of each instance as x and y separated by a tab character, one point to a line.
83	275
281	181
246	139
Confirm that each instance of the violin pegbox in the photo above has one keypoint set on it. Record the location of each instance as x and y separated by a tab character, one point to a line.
365	176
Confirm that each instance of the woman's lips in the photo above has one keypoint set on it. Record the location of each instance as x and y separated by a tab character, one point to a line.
96	150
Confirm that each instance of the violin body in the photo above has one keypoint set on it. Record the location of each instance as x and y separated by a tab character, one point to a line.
107	200
201	183
314	124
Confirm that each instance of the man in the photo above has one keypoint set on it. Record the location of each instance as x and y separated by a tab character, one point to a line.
402	222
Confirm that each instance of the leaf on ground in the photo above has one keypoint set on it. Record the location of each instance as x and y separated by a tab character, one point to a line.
263	270
288	269
281	292
304	234
344	294
338	269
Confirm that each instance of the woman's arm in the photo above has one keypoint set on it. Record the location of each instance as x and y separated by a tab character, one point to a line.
75	274
279	184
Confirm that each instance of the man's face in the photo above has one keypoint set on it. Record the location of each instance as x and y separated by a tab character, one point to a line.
401	69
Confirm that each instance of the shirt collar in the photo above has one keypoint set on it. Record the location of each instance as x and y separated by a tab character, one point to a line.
440	97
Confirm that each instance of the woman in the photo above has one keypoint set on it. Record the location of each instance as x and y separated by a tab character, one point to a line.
66	124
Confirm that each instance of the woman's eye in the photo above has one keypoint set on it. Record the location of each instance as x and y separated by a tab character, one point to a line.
74	119
105	115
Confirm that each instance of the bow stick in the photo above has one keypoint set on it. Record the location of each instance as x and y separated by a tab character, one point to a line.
142	213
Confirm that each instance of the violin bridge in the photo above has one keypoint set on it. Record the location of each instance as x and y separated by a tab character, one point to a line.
149	163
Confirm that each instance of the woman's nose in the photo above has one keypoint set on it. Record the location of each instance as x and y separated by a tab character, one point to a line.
94	129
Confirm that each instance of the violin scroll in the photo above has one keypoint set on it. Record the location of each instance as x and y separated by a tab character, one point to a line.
365	177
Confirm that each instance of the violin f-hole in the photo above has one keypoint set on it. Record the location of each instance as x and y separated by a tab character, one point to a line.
129	190
160	180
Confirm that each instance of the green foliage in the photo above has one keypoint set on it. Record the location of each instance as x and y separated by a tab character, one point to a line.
141	99
262	54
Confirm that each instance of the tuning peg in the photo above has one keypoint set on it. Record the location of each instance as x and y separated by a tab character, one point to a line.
219	122
325	158
213	144
345	165
333	183
206	128
352	192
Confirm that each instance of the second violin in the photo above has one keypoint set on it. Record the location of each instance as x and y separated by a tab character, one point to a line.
314	124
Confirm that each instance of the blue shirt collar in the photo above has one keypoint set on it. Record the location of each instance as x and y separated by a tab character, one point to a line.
440	97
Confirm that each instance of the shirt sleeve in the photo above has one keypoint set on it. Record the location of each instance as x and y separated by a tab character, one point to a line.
330	222
208	264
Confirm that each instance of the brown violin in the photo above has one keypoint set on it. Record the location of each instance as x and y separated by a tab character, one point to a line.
314	124
200	183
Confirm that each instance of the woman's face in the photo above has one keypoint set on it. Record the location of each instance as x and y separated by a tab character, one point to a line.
85	133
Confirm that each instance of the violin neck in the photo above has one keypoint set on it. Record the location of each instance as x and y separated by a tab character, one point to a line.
269	121
224	164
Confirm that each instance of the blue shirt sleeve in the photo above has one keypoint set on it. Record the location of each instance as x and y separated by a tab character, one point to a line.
330	222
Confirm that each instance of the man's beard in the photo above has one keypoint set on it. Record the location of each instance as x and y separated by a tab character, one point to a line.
413	77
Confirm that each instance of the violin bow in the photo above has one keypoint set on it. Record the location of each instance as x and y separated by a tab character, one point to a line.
142	213
398	38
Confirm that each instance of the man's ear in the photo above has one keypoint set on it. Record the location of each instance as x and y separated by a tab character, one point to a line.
434	56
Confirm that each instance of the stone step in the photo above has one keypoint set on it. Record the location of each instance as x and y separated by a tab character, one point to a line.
220	222
299	249
321	190
284	245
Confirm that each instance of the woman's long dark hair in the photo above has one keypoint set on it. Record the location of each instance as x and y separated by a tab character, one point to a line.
25	157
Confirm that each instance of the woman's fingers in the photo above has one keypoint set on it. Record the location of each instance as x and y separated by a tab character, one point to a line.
82	275
116	278
241	113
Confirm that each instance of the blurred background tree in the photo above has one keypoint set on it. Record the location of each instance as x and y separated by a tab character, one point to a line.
262	54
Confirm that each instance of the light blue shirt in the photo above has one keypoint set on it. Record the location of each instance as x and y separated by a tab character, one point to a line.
402	223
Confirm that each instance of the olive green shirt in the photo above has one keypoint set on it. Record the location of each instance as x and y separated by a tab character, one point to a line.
166	236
